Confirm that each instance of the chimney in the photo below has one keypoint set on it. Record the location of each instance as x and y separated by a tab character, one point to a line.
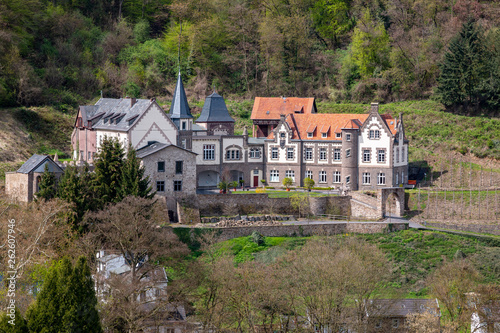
374	107
132	101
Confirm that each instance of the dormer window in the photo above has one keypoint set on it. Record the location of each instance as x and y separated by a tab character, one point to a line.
338	135
323	135
309	134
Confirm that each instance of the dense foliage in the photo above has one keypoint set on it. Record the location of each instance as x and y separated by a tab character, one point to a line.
64	52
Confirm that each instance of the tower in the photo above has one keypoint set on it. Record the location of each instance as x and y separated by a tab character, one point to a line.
181	115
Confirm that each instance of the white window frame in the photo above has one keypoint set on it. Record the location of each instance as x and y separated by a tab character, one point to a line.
208	152
348	152
323	154
337	177
366	155
274	176
274	153
309	174
338	135
290	151
290	174
367	178
254	153
309	154
233	154
324	135
322	176
381	178
309	134
381	156
337	154
348	137
348	179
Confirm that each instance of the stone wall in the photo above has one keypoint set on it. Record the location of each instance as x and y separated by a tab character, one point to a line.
364	205
17	186
481	228
245	204
309	230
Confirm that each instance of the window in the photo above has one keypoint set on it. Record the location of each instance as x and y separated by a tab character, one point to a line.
366	155
323	135
161	166
183	143
160	186
374	134
309	174
290	174
348	153
233	154
322	176
177	185
348	137
322	154
381	156
403	154
336	154
274	176
290	154
282	135
338	135
381	178
254	153
397	178
274	153
309	154
256	172
82	155
397	155
348	179
309	134
336	177
88	156
378	324
183	125
366	178
178	167
395	323
170	330
209	152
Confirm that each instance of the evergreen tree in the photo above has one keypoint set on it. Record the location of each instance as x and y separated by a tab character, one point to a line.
47	185
75	187
133	181
20	325
67	301
108	170
463	69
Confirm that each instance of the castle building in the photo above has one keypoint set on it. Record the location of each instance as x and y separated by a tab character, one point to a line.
290	139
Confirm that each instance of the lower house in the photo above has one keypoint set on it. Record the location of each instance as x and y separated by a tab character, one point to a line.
147	293
390	315
22	185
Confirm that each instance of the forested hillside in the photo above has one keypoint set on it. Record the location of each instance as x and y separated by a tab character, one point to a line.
64	52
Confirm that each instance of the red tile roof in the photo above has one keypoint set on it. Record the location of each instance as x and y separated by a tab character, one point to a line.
273	107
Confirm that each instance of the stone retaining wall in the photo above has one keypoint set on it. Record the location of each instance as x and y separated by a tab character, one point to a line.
245	204
481	228
309	230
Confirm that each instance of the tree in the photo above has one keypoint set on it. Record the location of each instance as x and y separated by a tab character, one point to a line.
299	202
133	181
47	186
451	284
13	325
370	46
308	183
287	182
131	228
463	68
67	301
108	172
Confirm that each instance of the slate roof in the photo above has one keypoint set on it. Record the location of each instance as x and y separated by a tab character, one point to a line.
155	147
88	112
179	108
33	162
401	307
214	110
121	109
272	107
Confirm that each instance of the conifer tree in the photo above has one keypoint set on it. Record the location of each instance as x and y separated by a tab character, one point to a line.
133	181
463	69
67	301
47	185
108	170
20	325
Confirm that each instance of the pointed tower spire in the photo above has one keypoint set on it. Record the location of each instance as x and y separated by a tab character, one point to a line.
179	108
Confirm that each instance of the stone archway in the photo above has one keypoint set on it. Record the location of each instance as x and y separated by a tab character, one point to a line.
392	201
208	179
